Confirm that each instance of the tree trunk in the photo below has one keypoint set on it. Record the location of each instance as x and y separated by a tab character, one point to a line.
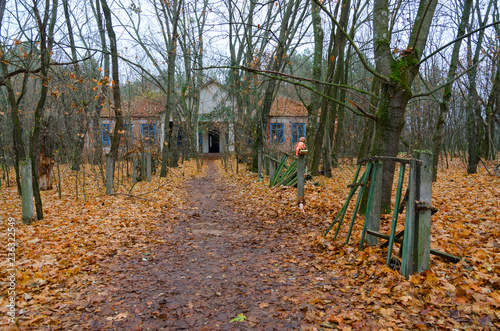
96	122
117	104
46	42
369	131
396	90
17	131
444	106
339	78
170	102
312	108
475	126
490	149
118	129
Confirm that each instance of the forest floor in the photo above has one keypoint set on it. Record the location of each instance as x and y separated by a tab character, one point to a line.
217	250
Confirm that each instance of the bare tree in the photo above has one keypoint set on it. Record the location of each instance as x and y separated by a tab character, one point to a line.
115	140
444	105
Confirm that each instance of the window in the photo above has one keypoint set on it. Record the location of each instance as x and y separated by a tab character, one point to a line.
180	136
129	132
200	135
105	137
277	132
298	130
148	132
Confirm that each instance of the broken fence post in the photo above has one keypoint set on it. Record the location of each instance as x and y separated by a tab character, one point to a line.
373	218
134	169
422	236
143	166
408	240
271	167
26	190
259	162
300	176
109	174
148	166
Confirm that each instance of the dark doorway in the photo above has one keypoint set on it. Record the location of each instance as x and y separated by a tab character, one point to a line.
213	141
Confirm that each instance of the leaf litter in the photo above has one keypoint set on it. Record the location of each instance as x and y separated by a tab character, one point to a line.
208	247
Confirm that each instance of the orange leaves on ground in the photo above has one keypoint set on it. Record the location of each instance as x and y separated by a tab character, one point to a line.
367	292
63	251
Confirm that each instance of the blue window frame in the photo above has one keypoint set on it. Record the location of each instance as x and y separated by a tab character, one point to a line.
148	133
298	130
277	133
200	135
129	131
105	135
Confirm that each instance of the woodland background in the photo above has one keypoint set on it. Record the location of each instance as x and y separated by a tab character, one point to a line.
389	77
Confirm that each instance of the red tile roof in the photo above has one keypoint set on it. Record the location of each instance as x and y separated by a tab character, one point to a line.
284	106
139	108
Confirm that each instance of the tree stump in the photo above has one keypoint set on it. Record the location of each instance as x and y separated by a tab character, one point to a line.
45	172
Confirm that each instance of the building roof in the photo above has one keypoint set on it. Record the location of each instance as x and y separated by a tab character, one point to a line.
139	108
284	106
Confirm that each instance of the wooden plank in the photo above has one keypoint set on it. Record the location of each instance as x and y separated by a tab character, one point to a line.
370	204
286	175
408	242
364	180
383	236
399	235
143	167
148	167
395	213
375	210
387	158
422	246
277	173
272	165
270	158
300	176
353	191
346	204
446	256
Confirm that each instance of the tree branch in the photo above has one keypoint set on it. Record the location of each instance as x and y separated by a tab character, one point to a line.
249	69
451	81
455	40
37	70
279	77
351	41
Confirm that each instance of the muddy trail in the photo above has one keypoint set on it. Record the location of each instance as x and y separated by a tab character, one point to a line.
210	268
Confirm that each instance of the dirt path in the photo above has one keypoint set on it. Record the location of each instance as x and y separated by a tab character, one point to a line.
211	265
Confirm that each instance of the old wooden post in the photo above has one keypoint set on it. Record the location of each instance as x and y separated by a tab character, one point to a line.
422	235
109	174
300	175
373	217
143	166
259	162
134	169
148	166
27	190
408	240
271	167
